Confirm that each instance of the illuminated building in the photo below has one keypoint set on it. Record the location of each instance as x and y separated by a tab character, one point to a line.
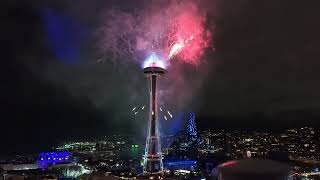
152	163
180	164
49	158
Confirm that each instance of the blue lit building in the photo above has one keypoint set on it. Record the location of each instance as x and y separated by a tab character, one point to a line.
185	164
46	159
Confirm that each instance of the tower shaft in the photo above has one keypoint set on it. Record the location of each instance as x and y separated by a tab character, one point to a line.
153	157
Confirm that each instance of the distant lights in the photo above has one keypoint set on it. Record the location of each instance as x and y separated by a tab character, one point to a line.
134	145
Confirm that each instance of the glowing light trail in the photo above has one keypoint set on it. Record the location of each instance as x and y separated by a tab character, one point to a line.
169	114
178	46
175	49
136	109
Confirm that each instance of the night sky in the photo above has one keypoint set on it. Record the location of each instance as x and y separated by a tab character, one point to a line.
264	72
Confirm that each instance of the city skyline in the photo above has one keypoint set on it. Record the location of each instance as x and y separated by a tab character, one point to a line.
261	74
119	154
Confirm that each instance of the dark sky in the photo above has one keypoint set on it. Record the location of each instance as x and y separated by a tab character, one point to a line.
264	71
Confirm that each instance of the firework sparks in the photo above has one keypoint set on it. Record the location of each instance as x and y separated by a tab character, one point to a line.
178	46
169	114
165	113
175	49
174	31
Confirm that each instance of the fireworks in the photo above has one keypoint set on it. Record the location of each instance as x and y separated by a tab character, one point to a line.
169	114
175	49
185	40
165	114
174	31
178	46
